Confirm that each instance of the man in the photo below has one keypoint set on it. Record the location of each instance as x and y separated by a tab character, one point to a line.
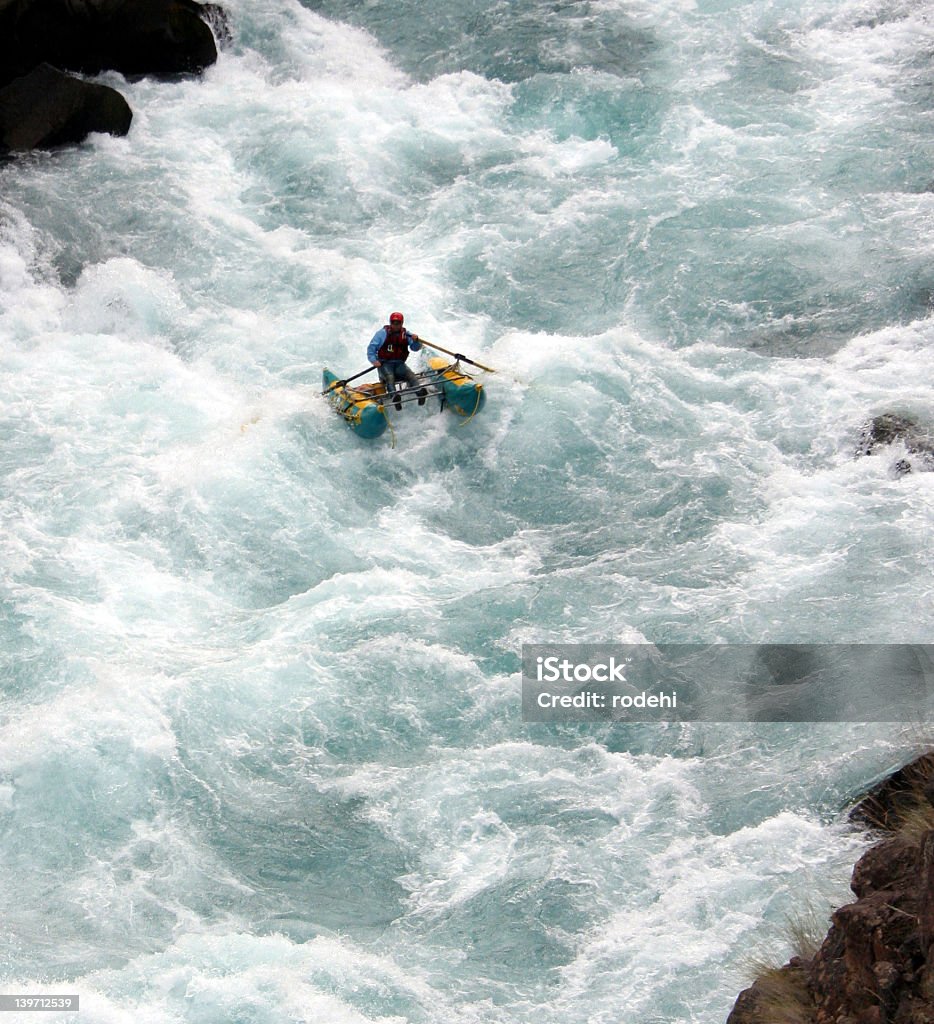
388	351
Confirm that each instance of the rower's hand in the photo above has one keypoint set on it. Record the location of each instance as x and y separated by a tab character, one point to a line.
376	362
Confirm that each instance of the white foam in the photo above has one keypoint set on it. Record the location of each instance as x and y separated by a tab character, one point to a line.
232	611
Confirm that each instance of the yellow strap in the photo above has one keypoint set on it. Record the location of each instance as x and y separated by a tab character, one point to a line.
392	433
475	408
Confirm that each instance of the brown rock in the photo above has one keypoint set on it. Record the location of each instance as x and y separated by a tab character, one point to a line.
872	967
891	860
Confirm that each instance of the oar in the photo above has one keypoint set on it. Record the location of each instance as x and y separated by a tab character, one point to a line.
457	355
341	383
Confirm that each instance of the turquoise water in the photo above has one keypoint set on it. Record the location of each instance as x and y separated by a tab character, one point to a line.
261	753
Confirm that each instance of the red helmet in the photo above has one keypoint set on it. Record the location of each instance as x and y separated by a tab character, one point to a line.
396	318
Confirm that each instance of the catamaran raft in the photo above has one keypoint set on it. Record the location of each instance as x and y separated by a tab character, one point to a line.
364	406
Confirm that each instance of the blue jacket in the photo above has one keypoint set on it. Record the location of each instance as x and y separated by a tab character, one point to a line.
380	337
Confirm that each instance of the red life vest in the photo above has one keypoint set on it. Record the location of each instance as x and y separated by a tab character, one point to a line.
396	346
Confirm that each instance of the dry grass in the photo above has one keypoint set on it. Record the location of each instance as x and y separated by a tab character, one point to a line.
782	992
903	807
805	929
784	997
915	818
807	932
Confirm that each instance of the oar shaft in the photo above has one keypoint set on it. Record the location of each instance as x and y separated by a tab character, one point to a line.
347	380
457	355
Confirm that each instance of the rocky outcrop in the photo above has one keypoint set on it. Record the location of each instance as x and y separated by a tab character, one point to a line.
47	108
892	428
133	37
874	966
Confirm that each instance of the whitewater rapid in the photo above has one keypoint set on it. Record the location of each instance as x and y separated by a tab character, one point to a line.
261	751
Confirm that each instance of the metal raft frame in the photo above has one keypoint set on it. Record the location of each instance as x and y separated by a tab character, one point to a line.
430	381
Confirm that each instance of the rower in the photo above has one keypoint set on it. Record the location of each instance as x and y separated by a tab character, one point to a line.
388	350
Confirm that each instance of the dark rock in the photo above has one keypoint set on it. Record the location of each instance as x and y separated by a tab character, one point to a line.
926	909
877	929
134	37
780	995
892	428
886	429
895	859
48	108
886	804
886	974
747	1009
872	967
219	20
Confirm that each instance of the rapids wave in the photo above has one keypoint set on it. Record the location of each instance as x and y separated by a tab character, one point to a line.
261	756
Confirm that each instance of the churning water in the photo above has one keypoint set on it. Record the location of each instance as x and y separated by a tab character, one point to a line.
261	752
